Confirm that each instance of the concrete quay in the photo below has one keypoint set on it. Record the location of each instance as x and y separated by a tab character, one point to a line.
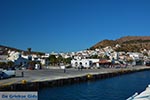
37	79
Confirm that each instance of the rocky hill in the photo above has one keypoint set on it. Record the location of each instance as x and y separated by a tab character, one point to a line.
4	51
133	38
128	43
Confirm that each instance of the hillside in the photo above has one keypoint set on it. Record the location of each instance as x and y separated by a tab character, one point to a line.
133	38
128	43
4	51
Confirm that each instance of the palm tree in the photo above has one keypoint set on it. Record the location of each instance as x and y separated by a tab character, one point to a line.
29	50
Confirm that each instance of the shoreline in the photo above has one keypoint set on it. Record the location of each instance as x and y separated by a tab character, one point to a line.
38	79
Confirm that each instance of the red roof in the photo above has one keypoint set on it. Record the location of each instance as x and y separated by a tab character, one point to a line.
103	61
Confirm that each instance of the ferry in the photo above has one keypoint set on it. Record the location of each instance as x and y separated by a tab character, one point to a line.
145	95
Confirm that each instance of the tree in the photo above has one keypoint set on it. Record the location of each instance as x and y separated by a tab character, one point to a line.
106	57
3	65
67	60
29	50
52	59
60	59
10	64
145	54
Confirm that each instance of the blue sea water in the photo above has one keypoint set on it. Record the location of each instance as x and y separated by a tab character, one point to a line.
116	88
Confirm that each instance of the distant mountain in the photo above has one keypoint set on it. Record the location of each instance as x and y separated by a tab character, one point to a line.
128	43
4	51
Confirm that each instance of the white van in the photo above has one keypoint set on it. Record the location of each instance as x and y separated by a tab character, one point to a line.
7	73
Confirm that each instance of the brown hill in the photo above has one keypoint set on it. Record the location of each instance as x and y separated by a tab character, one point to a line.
4	50
104	43
128	43
133	38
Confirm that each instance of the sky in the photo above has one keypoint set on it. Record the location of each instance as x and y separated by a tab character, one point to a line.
70	25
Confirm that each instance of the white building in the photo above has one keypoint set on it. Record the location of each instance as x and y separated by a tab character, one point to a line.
21	61
17	59
3	58
135	56
86	63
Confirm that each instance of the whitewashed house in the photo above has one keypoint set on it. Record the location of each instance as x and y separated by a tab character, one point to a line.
17	59
86	63
3	58
136	56
21	61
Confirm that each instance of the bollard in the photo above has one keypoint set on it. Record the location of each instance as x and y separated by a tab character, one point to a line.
89	76
23	81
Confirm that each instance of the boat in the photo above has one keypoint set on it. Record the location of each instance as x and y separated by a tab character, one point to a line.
145	95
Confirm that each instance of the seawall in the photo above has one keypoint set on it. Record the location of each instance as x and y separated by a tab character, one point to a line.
49	78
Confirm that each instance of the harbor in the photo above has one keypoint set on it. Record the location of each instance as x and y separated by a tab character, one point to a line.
37	79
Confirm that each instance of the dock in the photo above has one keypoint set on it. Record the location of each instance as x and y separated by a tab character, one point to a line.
37	79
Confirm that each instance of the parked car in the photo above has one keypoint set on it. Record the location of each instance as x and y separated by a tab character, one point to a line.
7	74
1	74
147	63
